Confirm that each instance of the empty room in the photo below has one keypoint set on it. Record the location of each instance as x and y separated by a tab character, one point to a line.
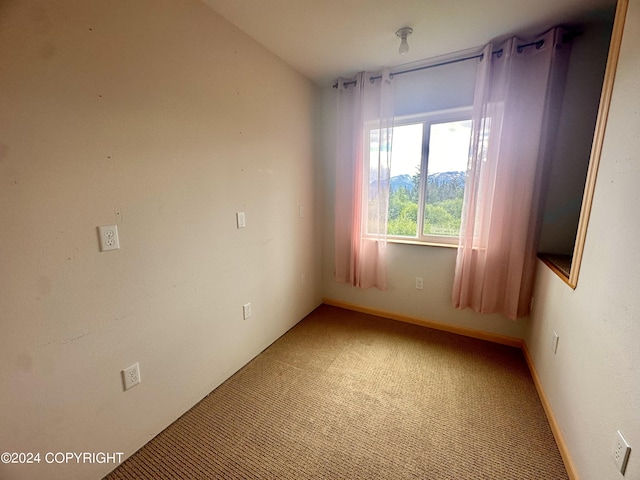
300	239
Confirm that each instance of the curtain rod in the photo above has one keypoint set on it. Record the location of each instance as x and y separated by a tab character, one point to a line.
537	44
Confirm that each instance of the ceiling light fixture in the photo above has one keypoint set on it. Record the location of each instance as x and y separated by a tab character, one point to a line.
403	33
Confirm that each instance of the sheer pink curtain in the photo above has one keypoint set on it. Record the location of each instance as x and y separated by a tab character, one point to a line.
362	179
517	96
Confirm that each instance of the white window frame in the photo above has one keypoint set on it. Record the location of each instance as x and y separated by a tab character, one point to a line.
427	119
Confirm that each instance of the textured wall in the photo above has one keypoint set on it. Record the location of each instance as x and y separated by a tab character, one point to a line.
163	118
593	383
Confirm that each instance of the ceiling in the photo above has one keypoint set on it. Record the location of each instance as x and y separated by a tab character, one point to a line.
325	39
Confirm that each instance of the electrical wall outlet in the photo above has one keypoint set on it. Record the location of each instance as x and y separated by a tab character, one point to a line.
131	376
301	211
109	240
419	283
554	342
246	310
241	220
620	453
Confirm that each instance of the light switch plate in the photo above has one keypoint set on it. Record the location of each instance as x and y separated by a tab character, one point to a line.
554	342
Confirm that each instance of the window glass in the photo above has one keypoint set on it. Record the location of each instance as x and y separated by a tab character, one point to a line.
447	165
404	189
436	147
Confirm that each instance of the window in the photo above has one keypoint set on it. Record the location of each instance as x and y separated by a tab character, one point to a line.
427	178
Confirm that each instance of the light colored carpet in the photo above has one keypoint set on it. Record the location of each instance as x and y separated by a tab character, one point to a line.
345	395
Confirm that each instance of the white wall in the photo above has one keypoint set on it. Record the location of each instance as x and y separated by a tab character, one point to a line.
163	118
593	383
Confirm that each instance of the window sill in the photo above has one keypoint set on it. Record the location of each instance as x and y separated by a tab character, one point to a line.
559	264
417	242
